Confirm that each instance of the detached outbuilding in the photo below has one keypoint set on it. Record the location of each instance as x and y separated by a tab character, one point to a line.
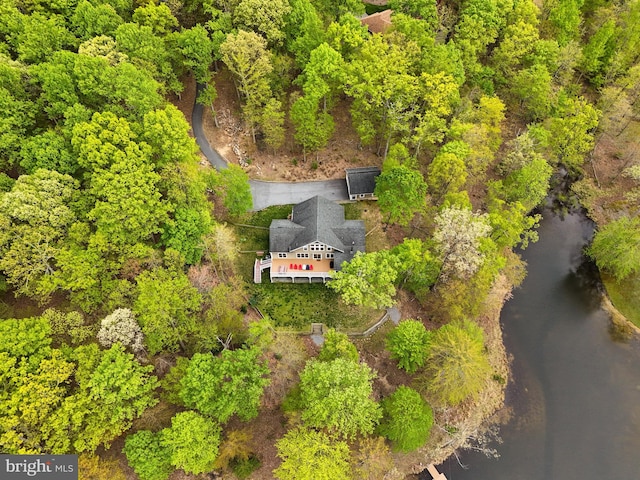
361	182
378	22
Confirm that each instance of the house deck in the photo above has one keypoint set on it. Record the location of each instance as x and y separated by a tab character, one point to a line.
283	270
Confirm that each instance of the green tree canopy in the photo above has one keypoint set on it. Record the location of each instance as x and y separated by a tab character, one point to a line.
90	20
570	134
229	384
418	263
407	419
457	366
409	344
34	219
196	48
313	128
616	247
41	36
158	17
112	390
337	345
528	185
147	456
246	56
232	185
266	18
337	395
401	193
368	279
312	455
166	307
48	150
304	30
128	206
192	442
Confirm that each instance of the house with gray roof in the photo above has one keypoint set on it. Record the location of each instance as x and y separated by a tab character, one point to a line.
313	242
361	182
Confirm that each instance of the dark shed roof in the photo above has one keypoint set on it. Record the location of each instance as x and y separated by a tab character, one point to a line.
362	180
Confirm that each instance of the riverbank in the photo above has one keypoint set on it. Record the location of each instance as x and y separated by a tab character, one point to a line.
609	191
473	423
573	390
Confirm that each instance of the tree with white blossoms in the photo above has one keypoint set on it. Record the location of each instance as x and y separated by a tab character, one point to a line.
458	235
121	327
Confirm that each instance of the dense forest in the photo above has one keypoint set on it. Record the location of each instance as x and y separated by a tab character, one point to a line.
129	334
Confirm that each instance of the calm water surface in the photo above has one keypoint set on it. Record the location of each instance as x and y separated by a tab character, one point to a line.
575	391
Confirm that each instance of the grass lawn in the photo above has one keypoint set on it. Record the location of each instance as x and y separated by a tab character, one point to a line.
625	295
296	306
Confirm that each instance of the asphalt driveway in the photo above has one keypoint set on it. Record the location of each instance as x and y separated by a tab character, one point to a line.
264	193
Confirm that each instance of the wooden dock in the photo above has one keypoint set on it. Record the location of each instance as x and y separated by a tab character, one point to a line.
435	473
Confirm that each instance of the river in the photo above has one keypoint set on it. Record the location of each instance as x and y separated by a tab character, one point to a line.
575	390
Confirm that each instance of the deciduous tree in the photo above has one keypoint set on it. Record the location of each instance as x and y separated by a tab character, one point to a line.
528	185
192	442
368	279
121	327
68	325
457	366
147	456
312	455
113	389
165	306
336	395
616	247
167	132
264	17
418	263
304	30
232	184
458	233
570	133
409	345
196	49
384	91
447	174
40	36
401	193
90	21
34	219
128	206
407	419
272	123
48	150
313	128
372	460
235	381
337	345
158	17
426	10
246	56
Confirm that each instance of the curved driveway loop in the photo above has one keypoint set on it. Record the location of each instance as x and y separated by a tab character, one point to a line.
264	193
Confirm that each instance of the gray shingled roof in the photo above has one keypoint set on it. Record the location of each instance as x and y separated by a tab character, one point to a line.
362	179
318	220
